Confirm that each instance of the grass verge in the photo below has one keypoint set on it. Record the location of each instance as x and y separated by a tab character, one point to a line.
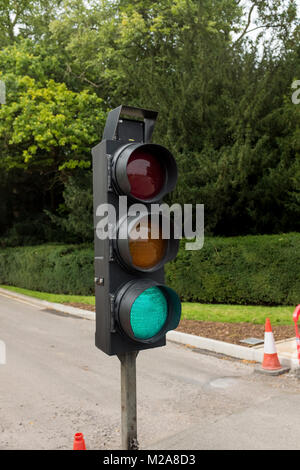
191	311
57	298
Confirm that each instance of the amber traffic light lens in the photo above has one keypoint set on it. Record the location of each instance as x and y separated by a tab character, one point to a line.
145	174
146	252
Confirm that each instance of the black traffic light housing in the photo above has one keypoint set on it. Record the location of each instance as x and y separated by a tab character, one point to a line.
118	281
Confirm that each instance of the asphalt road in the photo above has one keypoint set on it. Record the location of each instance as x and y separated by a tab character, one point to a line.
56	383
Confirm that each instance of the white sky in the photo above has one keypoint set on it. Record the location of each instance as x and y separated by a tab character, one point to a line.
254	34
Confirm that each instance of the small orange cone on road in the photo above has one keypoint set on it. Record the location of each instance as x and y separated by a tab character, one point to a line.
271	361
79	443
271	364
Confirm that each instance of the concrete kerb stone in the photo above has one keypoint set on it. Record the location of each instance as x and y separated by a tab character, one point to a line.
220	347
79	312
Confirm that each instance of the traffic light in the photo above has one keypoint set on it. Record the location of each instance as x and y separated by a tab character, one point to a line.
134	307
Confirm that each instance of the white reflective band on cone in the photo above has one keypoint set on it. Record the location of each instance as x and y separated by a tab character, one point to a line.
270	347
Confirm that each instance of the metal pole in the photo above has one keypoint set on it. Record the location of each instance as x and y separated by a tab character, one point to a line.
128	401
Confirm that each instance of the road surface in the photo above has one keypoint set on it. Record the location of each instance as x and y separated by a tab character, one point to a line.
56	383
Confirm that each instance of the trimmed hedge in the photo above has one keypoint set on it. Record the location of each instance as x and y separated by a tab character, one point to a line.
257	270
253	270
58	269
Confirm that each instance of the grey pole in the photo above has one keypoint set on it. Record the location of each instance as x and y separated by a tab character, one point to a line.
128	401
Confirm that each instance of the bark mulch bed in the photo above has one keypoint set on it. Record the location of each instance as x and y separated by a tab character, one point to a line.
228	332
233	332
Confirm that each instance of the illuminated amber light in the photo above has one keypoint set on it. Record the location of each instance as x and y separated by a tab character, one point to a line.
147	252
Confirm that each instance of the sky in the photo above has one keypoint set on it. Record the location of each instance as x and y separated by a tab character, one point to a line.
247	4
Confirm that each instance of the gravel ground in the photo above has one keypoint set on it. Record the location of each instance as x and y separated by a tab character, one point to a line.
228	332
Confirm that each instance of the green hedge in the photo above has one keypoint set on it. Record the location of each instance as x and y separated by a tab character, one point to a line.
258	270
59	269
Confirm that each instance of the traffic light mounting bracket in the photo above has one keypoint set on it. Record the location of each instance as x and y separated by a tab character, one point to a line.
134	129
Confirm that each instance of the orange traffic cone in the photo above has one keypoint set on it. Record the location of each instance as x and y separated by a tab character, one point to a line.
271	361
79	443
271	364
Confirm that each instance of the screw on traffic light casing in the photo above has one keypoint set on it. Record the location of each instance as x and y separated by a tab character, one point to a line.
134	307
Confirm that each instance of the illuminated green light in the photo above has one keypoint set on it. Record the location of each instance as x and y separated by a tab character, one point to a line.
148	313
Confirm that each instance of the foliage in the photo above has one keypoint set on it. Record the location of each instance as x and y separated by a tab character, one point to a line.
254	270
26	19
218	71
75	215
65	269
257	270
48	127
46	133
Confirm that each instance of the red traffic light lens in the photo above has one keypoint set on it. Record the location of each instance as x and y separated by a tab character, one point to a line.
146	172
146	175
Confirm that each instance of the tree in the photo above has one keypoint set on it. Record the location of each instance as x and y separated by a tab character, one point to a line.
46	131
218	71
21	19
50	127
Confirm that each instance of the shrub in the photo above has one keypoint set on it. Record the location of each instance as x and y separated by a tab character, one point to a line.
257	270
61	269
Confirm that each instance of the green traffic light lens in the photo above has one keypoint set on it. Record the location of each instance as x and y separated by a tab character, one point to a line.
148	313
